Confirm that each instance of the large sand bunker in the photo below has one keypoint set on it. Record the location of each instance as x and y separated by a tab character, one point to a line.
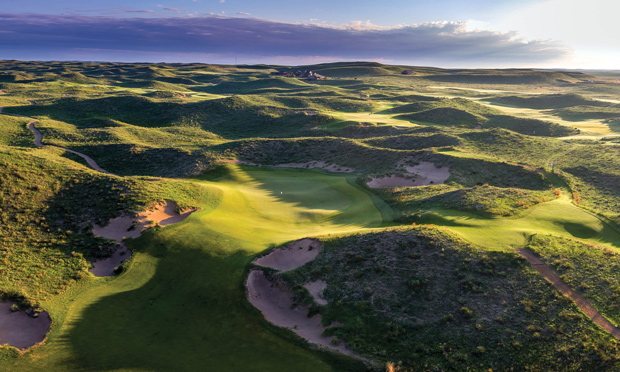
123	227
423	174
20	330
292	256
274	301
274	298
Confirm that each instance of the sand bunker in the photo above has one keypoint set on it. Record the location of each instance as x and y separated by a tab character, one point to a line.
319	164
123	227
274	298
274	301
292	256
316	290
423	174
20	330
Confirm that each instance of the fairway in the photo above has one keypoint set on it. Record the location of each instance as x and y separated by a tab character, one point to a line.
557	217
182	306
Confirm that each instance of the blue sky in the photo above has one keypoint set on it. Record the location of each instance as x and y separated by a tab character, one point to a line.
445	33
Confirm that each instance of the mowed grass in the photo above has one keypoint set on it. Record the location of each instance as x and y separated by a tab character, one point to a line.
558	217
181	304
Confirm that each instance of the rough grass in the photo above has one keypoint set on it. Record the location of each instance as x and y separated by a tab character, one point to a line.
423	297
588	269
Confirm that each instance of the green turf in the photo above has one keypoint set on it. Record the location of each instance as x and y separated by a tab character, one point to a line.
185	286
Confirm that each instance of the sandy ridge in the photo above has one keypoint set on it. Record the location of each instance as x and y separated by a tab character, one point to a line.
38	141
583	304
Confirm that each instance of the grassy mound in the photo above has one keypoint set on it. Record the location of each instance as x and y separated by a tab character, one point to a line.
49	206
410	203
421	296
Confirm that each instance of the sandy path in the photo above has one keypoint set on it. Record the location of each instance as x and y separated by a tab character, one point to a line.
292	256
20	330
123	227
583	304
274	301
38	141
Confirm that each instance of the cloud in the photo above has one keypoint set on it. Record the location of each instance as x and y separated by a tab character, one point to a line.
440	43
170	9
243	13
138	11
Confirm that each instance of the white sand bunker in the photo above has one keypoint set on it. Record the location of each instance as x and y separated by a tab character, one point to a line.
423	174
20	330
330	167
292	256
123	227
274	301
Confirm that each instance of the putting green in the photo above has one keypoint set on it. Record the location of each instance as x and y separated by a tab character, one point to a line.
181	305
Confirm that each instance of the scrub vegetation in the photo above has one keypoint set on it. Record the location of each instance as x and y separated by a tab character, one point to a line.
418	278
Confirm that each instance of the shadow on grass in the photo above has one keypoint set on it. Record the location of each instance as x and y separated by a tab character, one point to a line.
192	315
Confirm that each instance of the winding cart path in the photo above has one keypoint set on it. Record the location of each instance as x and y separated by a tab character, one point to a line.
38	141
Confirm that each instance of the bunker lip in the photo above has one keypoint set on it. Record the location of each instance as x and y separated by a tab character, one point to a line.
292	256
20	330
423	174
123	227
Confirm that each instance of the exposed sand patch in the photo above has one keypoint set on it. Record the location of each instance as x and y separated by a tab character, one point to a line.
423	174
274	301
316	290
292	256
123	227
20	330
430	172
331	167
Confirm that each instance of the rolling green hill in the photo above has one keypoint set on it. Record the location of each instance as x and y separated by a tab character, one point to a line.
425	277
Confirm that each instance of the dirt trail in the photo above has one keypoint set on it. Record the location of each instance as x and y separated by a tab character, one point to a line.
38	141
20	330
583	304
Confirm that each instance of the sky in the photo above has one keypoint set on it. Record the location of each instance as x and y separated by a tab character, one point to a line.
443	33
